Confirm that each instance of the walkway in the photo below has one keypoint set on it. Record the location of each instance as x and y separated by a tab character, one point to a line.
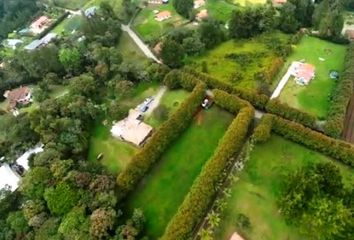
155	103
283	81
146	50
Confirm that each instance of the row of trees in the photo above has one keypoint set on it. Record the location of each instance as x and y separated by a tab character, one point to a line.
204	188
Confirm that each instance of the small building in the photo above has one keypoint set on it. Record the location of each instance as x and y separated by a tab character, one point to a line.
236	236
40	24
198	3
349	33
9	178
303	73
90	12
132	129
41	42
13	43
202	15
162	16
21	95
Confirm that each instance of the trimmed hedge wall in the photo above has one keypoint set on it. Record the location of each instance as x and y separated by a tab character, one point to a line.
198	200
276	107
264	129
341	97
331	147
229	102
160	141
257	100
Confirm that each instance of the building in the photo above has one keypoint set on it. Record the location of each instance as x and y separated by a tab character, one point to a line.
40	24
278	3
198	3
90	12
21	95
9	178
303	73
203	14
13	43
162	16
236	236
349	33
132	128
41	42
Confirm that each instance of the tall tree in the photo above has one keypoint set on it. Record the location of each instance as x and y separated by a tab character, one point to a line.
172	53
183	7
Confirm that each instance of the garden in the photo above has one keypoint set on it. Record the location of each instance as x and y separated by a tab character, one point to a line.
255	191
164	188
315	97
239	61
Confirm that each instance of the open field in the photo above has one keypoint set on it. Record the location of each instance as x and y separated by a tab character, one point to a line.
149	29
314	98
130	51
116	4
219	9
249	2
69	25
164	188
70	4
255	52
255	193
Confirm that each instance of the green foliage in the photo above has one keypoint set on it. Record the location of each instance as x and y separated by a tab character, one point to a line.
211	33
161	113
84	85
341	97
263	131
71	59
74	224
198	200
35	182
172	80
61	199
172	53
102	221
162	138
17	222
183	7
287	20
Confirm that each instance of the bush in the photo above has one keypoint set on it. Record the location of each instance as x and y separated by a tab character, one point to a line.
276	107
331	147
198	200
171	79
161	113
160	141
341	97
229	102
263	131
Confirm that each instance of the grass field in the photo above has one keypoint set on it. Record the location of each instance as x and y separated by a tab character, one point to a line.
163	190
130	51
69	25
223	68
314	98
149	29
255	193
249	2
71	4
219	9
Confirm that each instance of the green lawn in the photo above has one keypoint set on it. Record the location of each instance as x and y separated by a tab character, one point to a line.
149	28
163	190
69	25
71	4
314	98
171	100
255	193
219	9
224	68
249	2
130	51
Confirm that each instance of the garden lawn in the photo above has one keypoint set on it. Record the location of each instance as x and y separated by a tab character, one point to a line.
256	192
130	51
249	2
150	29
223	68
116	153
219	9
69	25
70	4
314	98
171	100
162	191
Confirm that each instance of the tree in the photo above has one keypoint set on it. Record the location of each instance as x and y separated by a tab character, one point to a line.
183	7
102	221
124	88
35	182
172	53
84	85
75	224
211	33
71	59
17	222
193	45
287	21
161	113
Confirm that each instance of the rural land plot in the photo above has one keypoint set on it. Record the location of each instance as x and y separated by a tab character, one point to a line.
249	2
163	190
238	61
219	9
70	4
256	192
315	97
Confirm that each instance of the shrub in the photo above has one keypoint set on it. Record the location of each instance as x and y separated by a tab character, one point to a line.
263	131
161	113
160	141
171	80
198	200
229	102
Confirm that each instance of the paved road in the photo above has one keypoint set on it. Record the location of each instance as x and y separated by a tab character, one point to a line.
283	81
146	50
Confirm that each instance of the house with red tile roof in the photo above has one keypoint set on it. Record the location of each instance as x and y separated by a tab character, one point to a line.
203	14
198	3
303	73
21	95
349	33
40	24
161	16
278	2
236	236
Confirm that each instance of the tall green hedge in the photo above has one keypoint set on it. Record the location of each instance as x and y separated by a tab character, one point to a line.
229	102
160	141
341	97
264	129
200	197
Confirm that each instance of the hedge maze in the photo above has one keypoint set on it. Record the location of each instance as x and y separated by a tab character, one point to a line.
278	118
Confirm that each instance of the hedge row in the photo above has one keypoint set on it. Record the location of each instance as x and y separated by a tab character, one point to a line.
264	129
257	100
341	97
160	141
200	197
229	102
276	107
273	70
331	147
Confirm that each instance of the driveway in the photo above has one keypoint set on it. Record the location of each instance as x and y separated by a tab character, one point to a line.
283	81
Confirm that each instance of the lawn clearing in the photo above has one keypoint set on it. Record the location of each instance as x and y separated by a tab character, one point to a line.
149	29
314	98
70	4
164	188
256	192
171	100
249	2
130	51
69	25
219	9
238	73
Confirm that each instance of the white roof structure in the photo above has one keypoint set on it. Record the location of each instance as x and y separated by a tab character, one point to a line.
8	177
131	129
41	42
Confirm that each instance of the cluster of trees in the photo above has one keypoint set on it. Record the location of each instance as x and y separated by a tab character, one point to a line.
340	97
160	140
15	14
197	202
186	41
315	199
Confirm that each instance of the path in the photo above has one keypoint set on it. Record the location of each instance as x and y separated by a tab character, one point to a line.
155	103
146	50
283	81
